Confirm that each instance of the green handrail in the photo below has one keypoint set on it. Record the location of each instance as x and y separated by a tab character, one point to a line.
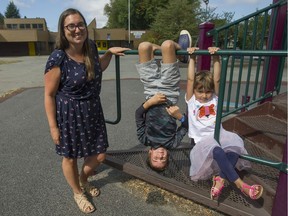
281	166
118	91
220	52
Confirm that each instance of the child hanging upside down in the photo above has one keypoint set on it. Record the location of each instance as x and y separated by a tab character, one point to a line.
156	117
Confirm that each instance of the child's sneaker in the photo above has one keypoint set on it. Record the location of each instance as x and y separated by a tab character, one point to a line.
184	41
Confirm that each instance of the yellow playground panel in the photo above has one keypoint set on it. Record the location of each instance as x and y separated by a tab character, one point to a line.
102	44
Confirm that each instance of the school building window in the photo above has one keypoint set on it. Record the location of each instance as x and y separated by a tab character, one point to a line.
25	26
12	26
37	26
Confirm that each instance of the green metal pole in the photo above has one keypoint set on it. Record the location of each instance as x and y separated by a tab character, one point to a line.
118	92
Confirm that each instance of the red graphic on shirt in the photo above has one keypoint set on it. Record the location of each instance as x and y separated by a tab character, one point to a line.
206	111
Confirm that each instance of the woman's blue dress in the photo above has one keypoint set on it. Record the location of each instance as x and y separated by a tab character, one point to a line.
79	112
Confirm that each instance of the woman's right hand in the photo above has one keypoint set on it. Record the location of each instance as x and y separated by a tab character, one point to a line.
118	50
55	134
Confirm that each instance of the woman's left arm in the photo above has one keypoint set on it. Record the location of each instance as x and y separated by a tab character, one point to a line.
106	58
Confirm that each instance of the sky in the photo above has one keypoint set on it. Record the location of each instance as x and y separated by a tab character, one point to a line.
51	9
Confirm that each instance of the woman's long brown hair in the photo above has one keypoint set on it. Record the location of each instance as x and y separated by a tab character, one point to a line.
62	43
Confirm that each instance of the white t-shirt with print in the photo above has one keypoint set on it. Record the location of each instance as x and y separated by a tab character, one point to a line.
201	118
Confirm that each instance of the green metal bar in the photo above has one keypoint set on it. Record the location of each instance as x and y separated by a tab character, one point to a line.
238	87
281	69
245	30
220	52
253	46
232	70
216	39
265	73
226	38
236	32
260	57
280	75
118	93
230	87
225	60
257	76
254	34
267	95
281	166
263	32
248	80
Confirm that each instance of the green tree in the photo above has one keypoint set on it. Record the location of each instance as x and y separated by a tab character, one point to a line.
146	12
165	18
142	13
116	15
177	15
12	11
1	19
218	19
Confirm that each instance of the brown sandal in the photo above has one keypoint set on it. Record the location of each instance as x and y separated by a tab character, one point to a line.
90	189
83	203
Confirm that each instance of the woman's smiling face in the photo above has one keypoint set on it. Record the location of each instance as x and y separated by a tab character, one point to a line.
75	29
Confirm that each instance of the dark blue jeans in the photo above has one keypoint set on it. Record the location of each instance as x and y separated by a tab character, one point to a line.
226	163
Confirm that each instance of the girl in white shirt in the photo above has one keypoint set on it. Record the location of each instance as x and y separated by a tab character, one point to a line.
208	157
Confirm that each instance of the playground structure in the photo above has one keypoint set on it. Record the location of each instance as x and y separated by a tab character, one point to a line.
251	106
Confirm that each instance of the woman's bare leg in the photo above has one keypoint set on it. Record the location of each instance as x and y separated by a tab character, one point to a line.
89	165
70	171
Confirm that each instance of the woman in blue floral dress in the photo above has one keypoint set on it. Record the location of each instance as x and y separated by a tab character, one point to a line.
73	76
